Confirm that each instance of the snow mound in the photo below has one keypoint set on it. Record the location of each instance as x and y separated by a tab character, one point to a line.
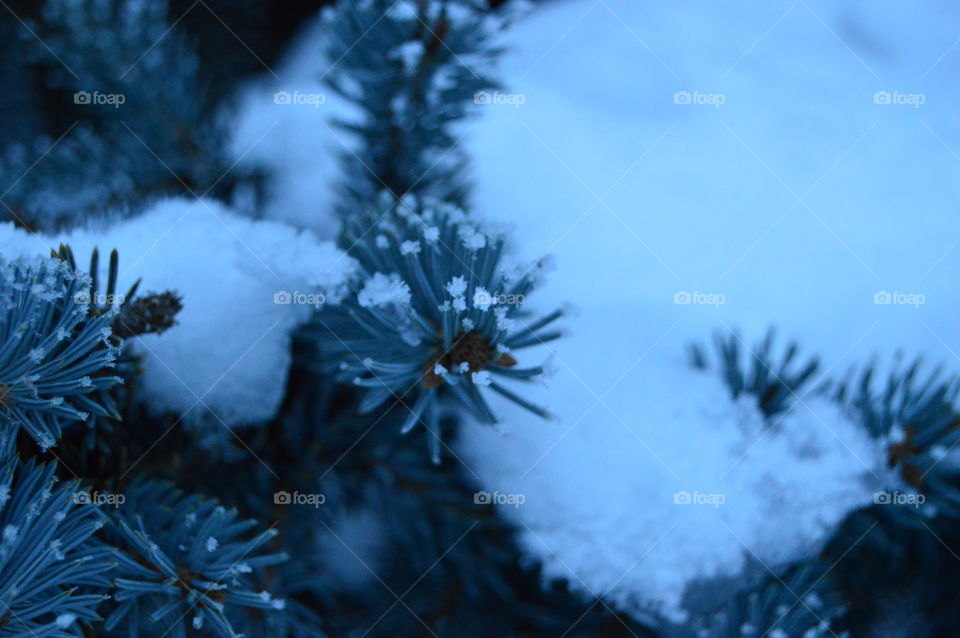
245	285
655	479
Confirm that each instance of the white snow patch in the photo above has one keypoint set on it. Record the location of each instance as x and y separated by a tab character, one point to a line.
284	125
241	282
641	434
640	197
384	290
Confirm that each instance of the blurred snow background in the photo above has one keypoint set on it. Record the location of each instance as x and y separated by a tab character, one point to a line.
797	198
699	166
285	127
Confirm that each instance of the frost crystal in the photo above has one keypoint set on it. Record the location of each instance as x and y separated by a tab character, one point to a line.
384	290
411	247
457	286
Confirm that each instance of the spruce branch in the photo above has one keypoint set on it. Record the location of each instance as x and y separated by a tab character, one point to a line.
53	577
437	316
54	353
414	70
914	411
185	562
758	372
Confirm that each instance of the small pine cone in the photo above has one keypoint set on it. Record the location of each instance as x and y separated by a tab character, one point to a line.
152	313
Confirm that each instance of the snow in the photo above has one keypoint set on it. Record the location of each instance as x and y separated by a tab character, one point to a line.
409	248
703	167
639	197
384	290
481	378
284	126
457	286
245	285
471	238
654	479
